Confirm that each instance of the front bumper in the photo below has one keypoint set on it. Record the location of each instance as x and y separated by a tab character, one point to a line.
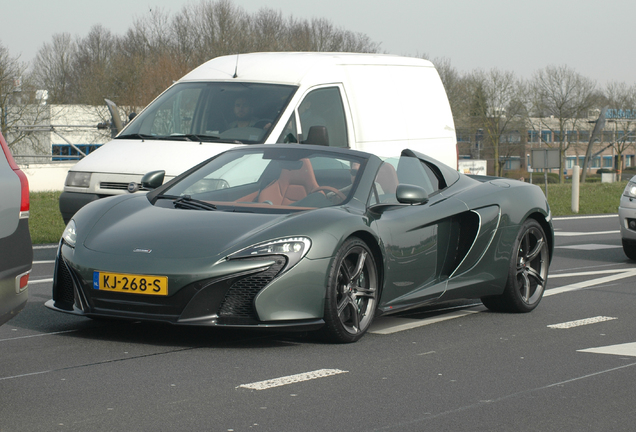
627	218
227	300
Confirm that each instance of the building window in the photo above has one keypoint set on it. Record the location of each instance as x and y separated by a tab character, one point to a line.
546	136
66	152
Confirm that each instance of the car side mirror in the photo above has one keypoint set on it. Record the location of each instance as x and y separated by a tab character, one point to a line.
153	180
411	194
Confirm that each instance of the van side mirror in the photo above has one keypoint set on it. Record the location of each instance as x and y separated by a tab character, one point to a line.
411	194
153	180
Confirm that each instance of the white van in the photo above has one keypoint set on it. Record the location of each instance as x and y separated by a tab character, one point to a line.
375	103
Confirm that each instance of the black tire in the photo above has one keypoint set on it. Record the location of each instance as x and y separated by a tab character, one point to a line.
528	272
629	247
352	293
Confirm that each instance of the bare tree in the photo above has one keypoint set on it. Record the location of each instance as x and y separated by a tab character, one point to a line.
94	75
561	98
18	104
498	111
53	68
621	98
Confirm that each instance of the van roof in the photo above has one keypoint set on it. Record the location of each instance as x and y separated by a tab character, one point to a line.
289	67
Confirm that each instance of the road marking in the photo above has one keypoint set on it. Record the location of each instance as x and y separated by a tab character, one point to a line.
44	262
588	273
589	283
577	234
581	322
626	349
589	247
39	281
585	217
38	335
292	379
49	246
389	325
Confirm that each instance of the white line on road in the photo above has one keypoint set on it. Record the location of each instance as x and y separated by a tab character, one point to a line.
626	349
38	335
581	322
585	217
44	262
389	325
49	246
292	379
39	281
589	283
589	247
588	273
576	234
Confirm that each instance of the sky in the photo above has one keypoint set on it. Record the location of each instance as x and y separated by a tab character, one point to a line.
594	38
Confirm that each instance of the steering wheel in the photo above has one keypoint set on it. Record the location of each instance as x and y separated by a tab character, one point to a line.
330	189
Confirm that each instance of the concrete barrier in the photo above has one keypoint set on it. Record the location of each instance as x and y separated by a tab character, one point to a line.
46	177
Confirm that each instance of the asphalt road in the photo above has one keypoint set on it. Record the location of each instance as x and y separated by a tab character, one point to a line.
570	365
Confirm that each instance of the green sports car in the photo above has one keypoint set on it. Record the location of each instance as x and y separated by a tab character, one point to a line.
291	236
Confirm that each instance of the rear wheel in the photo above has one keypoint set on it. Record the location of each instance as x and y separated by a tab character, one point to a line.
352	293
528	272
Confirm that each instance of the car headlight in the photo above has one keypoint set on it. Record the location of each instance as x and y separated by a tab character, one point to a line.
78	179
630	190
294	248
69	235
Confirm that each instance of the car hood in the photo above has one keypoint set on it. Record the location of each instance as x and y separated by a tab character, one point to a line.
135	226
142	156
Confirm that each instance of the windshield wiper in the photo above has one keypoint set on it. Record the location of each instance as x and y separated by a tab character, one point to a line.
190	137
136	136
187	202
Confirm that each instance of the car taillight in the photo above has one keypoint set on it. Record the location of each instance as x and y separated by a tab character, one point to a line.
21	282
25	203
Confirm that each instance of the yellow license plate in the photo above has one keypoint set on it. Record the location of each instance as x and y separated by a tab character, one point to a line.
130	283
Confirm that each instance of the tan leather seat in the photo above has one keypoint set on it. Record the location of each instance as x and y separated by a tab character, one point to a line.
387	178
292	185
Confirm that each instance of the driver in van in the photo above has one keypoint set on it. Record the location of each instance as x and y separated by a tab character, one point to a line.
243	111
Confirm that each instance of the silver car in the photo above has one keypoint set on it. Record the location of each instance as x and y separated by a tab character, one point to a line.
16	251
627	218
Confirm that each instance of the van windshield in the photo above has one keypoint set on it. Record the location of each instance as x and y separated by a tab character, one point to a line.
212	111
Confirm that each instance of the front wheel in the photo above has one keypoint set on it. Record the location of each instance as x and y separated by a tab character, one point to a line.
629	247
352	293
528	272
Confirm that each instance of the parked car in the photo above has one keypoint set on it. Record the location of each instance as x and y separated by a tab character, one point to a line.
305	237
627	219
16	251
372	102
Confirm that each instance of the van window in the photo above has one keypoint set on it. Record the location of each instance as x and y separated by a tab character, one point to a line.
321	108
212	111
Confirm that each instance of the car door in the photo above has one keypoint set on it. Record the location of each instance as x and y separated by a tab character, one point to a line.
416	239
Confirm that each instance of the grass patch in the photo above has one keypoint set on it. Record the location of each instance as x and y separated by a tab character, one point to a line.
45	220
594	198
46	224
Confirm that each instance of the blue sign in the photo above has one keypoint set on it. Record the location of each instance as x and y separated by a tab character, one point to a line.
621	114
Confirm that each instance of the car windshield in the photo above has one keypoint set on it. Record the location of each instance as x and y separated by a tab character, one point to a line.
264	180
212	111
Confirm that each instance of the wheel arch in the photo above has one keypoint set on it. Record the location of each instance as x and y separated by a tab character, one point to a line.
547	229
373	244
